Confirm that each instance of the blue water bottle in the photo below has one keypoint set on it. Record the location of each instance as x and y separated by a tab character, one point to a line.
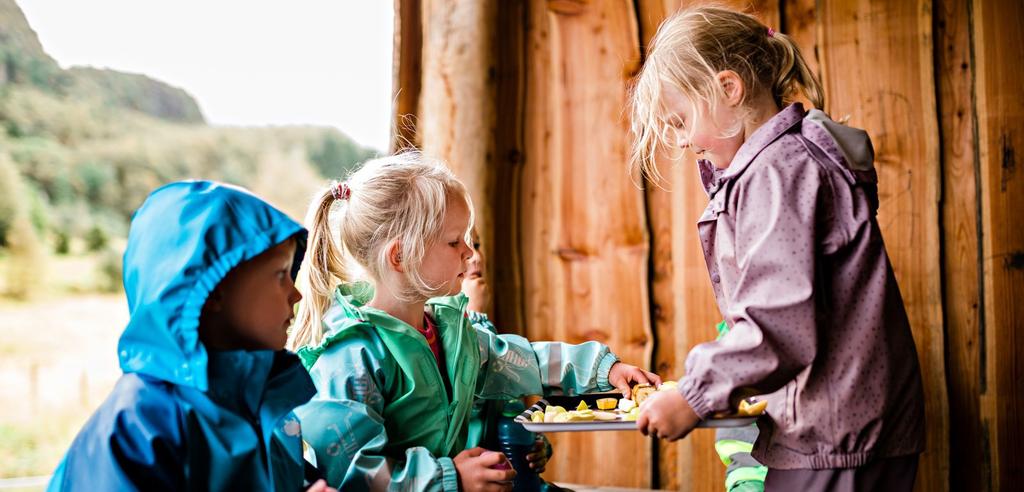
516	442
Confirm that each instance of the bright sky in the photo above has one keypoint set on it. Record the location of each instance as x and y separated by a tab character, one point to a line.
247	62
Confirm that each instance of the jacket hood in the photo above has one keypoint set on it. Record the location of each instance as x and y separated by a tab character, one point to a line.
182	242
851	146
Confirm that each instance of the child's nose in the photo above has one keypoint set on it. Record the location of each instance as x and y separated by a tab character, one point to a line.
295	296
682	141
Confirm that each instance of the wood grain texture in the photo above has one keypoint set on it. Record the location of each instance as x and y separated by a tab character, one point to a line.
998	45
894	100
456	114
960	240
505	259
407	70
584	239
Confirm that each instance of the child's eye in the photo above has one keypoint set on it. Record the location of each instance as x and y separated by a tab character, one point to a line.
476	245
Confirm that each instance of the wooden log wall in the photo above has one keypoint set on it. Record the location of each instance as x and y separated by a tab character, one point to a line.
526	101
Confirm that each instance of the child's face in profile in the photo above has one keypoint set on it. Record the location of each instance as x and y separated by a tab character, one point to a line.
702	134
445	261
253	306
475	267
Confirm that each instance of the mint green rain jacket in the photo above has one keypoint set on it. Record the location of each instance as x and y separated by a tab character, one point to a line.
382	419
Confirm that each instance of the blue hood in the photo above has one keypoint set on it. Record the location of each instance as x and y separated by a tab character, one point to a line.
183	241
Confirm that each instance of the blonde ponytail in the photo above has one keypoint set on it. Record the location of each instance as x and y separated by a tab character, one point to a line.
793	75
323	269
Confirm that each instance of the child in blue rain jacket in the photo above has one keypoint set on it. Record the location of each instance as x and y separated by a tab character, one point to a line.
206	399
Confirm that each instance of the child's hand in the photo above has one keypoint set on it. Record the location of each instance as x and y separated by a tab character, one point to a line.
320	486
621	375
539	455
479	294
477	472
667	415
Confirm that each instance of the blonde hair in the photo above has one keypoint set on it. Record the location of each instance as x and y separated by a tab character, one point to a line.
689	50
398	200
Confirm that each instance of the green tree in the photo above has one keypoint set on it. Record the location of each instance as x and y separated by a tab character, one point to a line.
10	186
335	155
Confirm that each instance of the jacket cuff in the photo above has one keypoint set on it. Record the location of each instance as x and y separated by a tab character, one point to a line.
449	476
693	392
603	368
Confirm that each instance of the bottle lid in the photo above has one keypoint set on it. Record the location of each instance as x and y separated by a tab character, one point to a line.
513	408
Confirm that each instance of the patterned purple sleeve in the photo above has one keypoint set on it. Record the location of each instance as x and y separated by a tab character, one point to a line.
765	262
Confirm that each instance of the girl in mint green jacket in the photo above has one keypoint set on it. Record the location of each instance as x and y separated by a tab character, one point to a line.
396	363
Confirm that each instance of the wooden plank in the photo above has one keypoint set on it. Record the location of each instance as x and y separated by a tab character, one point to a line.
584	238
998	44
456	113
895	102
510	81
960	237
406	72
684	310
669	335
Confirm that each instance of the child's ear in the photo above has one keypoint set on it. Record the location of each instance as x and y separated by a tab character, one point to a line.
732	85
395	257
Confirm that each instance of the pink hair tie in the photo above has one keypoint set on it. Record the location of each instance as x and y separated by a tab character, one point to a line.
341	191
771	32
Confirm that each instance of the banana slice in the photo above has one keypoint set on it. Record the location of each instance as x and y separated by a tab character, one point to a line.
752	409
551	412
578	416
582	405
626	405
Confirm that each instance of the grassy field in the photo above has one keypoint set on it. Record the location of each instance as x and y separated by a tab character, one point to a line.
57	363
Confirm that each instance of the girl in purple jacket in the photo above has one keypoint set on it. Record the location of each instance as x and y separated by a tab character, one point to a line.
795	257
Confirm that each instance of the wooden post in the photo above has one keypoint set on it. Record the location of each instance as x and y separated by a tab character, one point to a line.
510	81
877	61
961	244
584	239
456	113
998	45
407	69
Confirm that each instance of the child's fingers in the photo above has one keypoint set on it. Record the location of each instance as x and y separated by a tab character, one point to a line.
498	475
491	458
623	385
654	378
642	422
319	486
474	452
640	376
